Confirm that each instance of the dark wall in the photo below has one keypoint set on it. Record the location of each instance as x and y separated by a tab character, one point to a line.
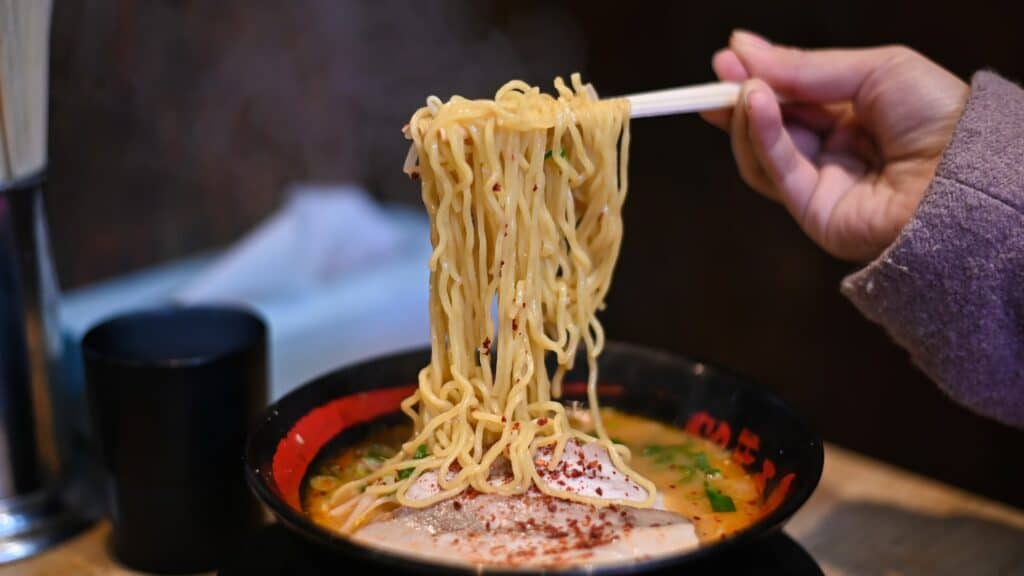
711	269
176	125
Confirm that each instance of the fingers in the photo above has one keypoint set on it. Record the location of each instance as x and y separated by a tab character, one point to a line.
809	75
728	68
807	141
820	118
742	150
790	173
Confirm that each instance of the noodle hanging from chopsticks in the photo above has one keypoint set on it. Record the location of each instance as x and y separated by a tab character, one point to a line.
525	197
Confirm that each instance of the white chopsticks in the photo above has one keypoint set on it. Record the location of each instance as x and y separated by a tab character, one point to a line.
684	100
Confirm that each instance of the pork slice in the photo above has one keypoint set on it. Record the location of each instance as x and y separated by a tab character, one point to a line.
529	531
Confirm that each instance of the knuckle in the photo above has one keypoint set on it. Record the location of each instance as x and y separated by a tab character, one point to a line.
901	52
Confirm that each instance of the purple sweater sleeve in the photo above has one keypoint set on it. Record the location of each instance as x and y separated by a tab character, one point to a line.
951	287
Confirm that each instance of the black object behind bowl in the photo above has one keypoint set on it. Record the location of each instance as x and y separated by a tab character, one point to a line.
679	391
172	393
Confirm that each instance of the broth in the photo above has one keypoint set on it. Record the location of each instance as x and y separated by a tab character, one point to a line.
696	478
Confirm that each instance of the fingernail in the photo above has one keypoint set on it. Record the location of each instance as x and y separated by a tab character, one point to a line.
750	39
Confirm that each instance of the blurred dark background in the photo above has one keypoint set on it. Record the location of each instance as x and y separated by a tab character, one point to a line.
176	125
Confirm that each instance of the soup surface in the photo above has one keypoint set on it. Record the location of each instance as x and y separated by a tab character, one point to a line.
703	496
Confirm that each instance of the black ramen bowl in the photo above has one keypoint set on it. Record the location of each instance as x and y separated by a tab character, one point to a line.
761	432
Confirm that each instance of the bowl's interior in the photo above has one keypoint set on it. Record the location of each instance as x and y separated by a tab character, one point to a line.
759	430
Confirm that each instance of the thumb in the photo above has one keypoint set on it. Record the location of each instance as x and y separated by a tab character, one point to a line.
809	75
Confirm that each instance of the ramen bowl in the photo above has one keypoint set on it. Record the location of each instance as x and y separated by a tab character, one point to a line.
760	431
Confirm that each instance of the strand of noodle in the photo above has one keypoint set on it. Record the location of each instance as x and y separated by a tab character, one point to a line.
524	195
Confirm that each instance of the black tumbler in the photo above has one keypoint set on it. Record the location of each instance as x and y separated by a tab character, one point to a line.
171	395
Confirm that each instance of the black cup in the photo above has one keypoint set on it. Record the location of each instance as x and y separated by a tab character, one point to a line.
172	393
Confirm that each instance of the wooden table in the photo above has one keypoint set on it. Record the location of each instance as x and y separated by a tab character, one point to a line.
865	518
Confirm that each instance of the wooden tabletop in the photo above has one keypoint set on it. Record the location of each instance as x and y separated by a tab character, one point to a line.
865	518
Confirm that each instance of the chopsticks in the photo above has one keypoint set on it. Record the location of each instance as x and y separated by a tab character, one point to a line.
24	72
684	100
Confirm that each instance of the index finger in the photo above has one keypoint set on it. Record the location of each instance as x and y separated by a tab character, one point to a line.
728	68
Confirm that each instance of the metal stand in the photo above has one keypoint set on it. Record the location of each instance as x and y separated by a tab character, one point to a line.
38	490
33	523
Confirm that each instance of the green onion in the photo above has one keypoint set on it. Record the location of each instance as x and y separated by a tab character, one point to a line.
421	452
561	152
720	502
702	464
660	454
654	450
668	454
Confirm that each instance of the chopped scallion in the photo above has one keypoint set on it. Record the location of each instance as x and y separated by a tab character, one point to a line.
702	464
720	502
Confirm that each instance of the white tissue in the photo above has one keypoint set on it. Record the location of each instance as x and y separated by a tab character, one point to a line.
337	277
320	236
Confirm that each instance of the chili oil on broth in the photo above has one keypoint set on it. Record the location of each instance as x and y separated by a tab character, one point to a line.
703	496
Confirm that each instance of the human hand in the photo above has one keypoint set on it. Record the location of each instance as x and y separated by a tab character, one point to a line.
856	142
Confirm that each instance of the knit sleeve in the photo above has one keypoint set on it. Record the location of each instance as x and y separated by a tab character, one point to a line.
950	289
